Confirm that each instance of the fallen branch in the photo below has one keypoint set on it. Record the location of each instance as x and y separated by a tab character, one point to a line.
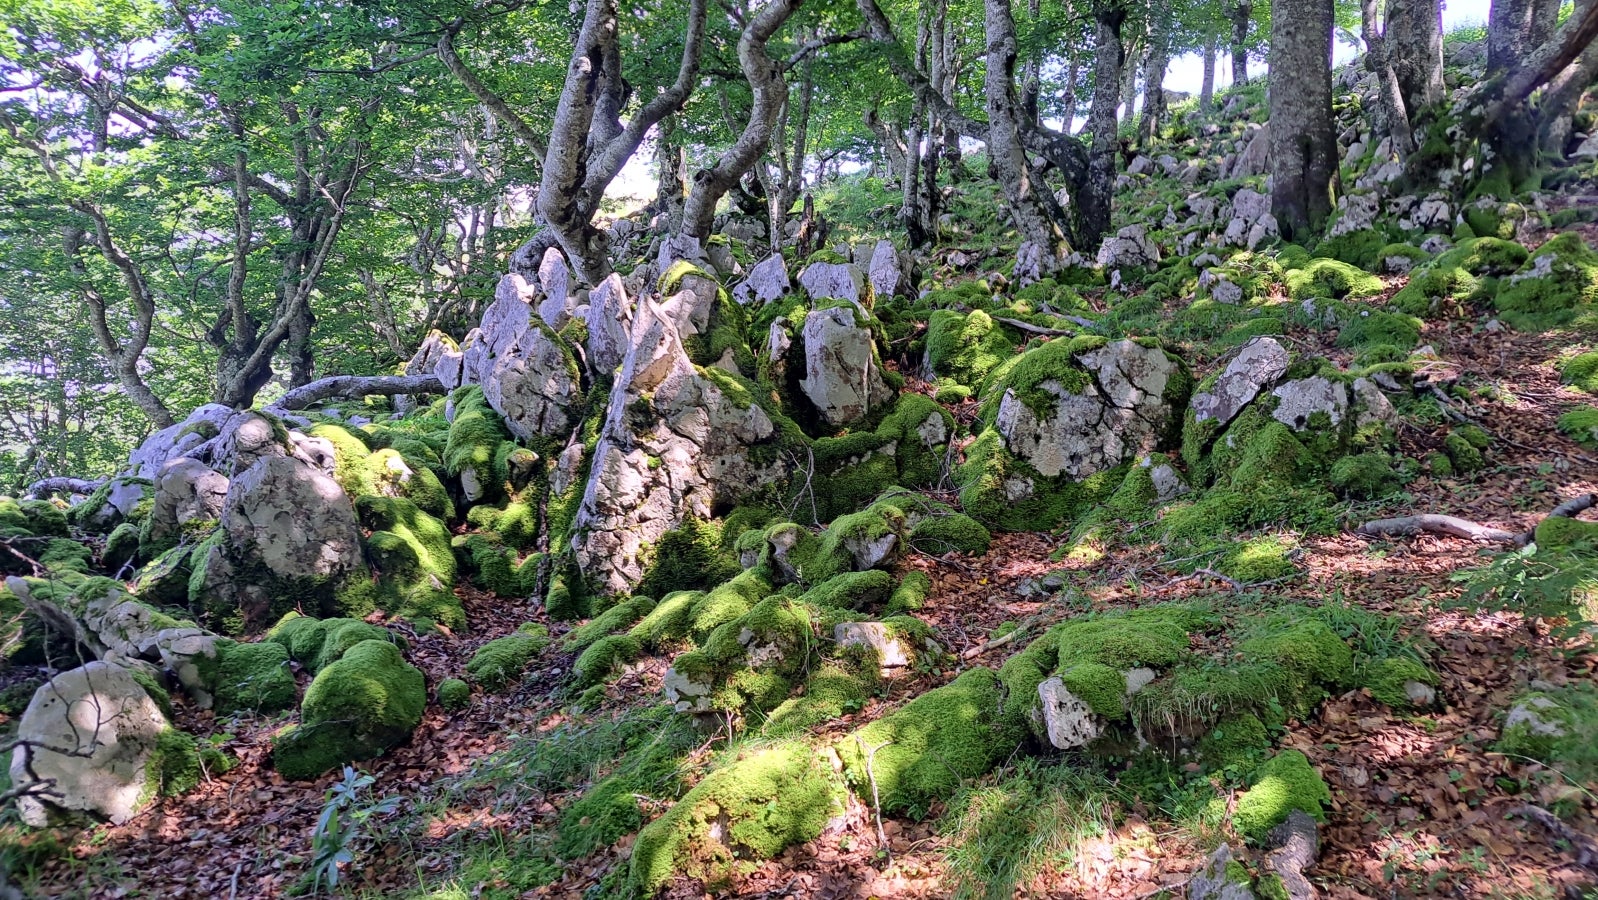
1586	850
1033	329
1464	528
44	487
352	386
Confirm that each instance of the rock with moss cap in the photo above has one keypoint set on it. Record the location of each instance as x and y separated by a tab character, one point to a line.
1286	782
677	441
357	708
248	438
186	491
203	424
765	283
826	280
500	662
116	741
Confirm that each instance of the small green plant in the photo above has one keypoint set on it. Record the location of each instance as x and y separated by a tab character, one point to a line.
341	827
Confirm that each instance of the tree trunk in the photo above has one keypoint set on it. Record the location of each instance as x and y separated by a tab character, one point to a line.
1207	88
1006	152
1303	144
1563	95
1239	14
1131	61
1093	206
1154	83
1393	115
770	94
671	178
1516	69
1414	36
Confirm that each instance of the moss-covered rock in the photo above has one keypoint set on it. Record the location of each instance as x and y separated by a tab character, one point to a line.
966	347
1581	426
1286	782
624	614
1581	371
253	678
357	708
500	662
1331	278
752	809
605	657
1364	476
955	532
1556	287
414	562
478	448
454	694
318	643
689	557
1390	680
923	751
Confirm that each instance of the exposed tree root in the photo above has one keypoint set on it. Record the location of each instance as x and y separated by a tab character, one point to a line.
44	487
351	386
1464	528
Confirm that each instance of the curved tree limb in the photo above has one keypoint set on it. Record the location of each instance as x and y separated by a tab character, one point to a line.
351	386
61	484
484	95
1464	528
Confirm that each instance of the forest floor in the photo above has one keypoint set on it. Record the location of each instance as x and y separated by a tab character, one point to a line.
1422	806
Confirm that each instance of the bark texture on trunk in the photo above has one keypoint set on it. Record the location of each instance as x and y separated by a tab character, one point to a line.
1517	68
1303	144
1029	200
1239	14
1393	115
1207	89
1154	82
1094	203
770	95
1414	35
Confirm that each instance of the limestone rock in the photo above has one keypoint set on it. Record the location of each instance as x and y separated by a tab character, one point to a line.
101	712
673	444
187	491
534	385
1255	158
174	441
1258	364
685	693
247	438
766	282
1130	248
554	280
886	271
123	495
890	651
1068	720
842	281
1218	880
1107	423
1355	212
1295	847
1302	398
842	376
609	314
437	355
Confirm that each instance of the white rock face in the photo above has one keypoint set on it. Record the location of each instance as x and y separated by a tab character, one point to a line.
1354	212
684	693
437	355
124	496
1251	221
683	450
534	385
247	438
187	491
1068	719
842	281
1259	363
555	281
1130	248
1371	405
841	378
609	315
1538	715
891	652
1303	398
886	271
1255	158
1108	423
766	282
98	710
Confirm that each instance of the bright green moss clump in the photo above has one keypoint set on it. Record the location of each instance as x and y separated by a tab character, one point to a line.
318	643
501	661
412	554
1365	476
174	765
689	557
356	708
454	694
1559	531
604	657
1259	559
1581	371
1370	328
911	594
253	678
1556	287
954	532
966	347
1581	426
622	615
924	750
760	805
1331	278
350	467
1307	648
478	445
1385	679
1284	783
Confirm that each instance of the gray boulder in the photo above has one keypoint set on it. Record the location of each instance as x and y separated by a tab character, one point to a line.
842	281
1219	880
169	443
554	281
187	491
534	385
766	282
1130	248
609	314
1258	364
842	376
89	737
248	438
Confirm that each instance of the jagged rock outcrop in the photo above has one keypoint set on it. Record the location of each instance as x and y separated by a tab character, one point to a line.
886	271
842	376
186	491
91	741
205	423
766	282
609	315
1258	363
675	443
835	281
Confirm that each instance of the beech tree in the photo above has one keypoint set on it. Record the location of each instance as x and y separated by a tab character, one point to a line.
1303	143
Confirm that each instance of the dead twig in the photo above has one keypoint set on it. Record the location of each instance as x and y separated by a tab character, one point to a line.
1464	528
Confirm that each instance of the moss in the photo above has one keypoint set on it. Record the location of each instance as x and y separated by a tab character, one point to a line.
833	690
911	594
1581	371
253	678
415	565
393	475
957	532
605	657
1581	426
356	708
852	590
920	464
1286	782
1367	327
689	557
499	569
1465	456
1259	559
622	615
454	694
966	347
173	766
478	443
751	809
65	555
122	547
516	524
1331	278
668	621
1307	648
1235	740
159	694
350	467
318	643
500	662
1556	287
926	748
1435	290
1385	679
1560	531
1364	476
1001	491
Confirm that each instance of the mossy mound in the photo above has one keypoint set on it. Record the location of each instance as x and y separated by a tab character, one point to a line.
1388	680
922	752
253	678
318	643
500	662
1286	782
1557	287
411	554
1581	426
454	694
752	809
1331	278
479	447
624	614
1581	371
498	569
966	347
357	708
687	558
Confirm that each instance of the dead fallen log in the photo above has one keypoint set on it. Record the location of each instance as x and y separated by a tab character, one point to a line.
1453	526
354	386
61	484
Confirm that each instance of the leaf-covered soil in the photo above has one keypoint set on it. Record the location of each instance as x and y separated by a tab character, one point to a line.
1422	805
